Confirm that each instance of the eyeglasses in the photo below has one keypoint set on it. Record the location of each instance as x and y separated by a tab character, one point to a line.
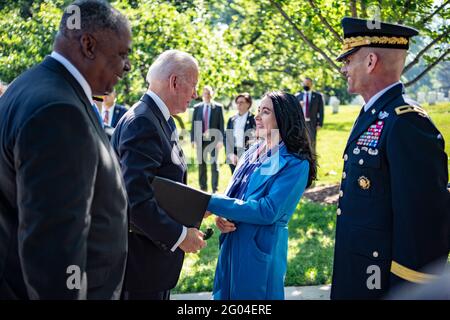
346	61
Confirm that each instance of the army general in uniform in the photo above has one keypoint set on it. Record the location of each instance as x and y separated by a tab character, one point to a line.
393	210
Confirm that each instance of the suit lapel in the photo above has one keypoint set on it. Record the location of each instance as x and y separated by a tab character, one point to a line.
369	116
51	63
165	127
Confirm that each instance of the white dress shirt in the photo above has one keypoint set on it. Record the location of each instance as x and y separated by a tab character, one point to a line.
239	130
166	114
378	95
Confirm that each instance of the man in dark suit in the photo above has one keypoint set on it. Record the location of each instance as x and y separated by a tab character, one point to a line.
207	133
111	111
393	216
146	142
240	130
311	103
63	223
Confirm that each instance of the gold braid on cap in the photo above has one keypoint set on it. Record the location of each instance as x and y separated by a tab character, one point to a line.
353	42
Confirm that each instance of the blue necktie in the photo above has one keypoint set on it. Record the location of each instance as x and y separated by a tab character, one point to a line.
172	124
99	118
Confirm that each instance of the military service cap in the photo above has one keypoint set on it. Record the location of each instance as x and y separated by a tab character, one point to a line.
367	33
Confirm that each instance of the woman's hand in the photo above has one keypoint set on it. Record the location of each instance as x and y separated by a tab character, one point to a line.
224	225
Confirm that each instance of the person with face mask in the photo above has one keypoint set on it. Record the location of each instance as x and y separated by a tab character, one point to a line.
311	103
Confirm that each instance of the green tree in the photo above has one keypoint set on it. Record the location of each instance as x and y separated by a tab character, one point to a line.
241	45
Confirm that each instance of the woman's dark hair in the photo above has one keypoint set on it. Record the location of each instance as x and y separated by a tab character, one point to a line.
292	127
246	96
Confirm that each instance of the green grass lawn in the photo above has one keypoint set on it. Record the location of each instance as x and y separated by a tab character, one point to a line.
311	229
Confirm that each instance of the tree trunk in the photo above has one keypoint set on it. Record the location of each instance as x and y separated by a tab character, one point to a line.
353	8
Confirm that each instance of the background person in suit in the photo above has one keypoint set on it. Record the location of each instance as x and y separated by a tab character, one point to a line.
146	142
393	216
240	129
207	137
262	196
111	111
312	107
62	198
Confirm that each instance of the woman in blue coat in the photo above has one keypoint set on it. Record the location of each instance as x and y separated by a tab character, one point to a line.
262	196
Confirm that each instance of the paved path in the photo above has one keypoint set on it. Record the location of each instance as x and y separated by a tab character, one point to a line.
291	293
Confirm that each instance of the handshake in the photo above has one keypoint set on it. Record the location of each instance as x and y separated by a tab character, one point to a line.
196	240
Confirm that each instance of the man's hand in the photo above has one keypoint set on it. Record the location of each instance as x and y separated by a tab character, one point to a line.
224	225
193	241
219	145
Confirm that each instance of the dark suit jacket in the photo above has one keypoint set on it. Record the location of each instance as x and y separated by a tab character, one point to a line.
230	144
316	112
215	120
63	198
119	111
142	141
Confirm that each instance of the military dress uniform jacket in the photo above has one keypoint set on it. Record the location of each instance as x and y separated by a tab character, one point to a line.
393	211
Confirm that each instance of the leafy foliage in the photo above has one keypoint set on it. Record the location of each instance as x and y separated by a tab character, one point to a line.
241	45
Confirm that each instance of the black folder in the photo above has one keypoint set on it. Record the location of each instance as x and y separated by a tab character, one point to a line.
184	204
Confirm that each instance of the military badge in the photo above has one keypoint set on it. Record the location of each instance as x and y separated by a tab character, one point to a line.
356	150
383	115
373	152
364	182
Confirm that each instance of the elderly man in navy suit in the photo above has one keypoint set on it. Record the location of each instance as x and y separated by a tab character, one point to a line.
146	142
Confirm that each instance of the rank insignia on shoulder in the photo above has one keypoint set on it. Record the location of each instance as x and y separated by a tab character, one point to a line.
408	108
364	182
